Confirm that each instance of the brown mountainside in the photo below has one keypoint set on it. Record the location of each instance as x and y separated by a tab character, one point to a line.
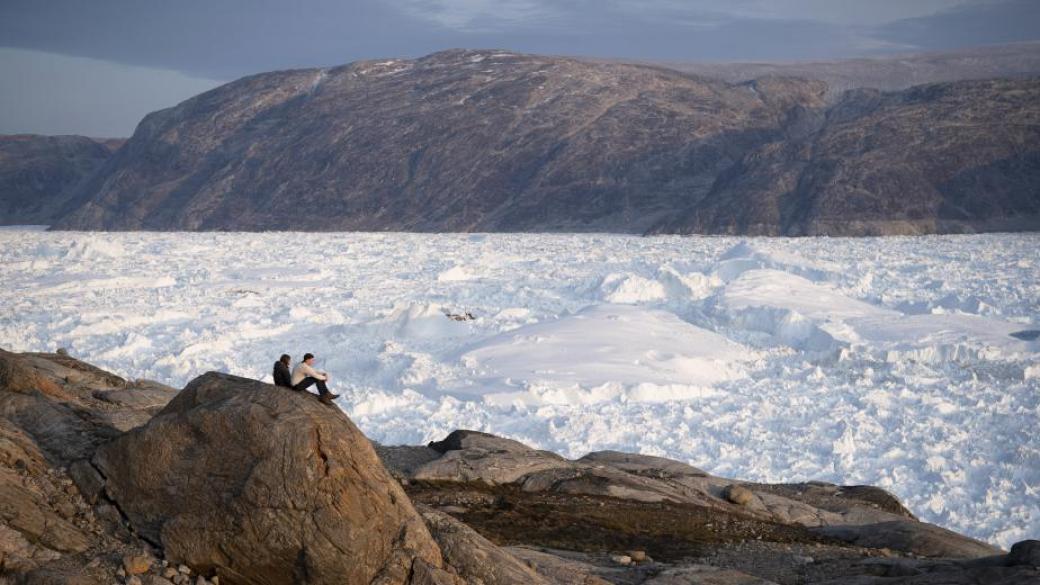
38	174
494	141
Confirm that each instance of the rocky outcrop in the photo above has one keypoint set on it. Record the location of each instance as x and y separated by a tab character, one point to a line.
495	141
475	457
257	485
921	539
697	527
55	522
232	481
474	557
39	174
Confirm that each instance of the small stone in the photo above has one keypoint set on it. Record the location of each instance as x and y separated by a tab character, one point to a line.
120	572
66	509
803	560
181	579
886	552
201	581
134	580
136	564
215	580
170	573
638	556
737	494
63	352
184	569
622	560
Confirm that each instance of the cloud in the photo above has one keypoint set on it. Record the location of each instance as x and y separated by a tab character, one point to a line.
977	23
839	12
481	15
467	15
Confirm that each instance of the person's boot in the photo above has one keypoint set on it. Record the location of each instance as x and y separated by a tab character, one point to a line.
326	399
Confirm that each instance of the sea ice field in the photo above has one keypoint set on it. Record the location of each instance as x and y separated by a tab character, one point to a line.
911	363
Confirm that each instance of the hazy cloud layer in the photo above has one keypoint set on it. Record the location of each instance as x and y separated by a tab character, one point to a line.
229	38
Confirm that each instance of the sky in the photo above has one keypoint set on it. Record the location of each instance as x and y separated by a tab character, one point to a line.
96	67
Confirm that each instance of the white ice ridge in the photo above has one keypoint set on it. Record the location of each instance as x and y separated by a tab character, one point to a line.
909	363
601	353
808	316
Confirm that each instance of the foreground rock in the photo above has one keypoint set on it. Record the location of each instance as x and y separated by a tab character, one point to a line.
253	484
696	527
494	141
56	526
474	457
234	481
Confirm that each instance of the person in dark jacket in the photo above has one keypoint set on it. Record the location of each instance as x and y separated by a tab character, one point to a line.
282	375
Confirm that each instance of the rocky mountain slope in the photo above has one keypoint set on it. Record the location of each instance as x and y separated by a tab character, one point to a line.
491	141
38	174
935	158
233	481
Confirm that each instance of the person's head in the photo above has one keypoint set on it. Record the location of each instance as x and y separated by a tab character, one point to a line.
285	359
308	358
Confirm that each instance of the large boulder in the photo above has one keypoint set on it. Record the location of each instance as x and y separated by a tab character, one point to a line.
260	485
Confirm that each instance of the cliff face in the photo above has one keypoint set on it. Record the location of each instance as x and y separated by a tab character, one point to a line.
939	158
38	174
485	141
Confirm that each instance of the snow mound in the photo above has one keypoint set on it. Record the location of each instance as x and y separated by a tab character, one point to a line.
631	289
744	257
455	274
603	350
669	285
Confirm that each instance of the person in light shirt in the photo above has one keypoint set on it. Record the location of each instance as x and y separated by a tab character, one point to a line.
304	376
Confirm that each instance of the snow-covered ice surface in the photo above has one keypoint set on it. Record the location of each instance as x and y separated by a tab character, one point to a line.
908	363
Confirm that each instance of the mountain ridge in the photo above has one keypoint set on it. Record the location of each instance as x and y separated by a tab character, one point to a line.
489	141
39	174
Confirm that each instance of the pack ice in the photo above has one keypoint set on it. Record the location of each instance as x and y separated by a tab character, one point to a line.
908	363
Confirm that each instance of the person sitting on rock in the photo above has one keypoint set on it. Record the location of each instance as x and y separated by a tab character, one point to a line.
304	375
282	375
